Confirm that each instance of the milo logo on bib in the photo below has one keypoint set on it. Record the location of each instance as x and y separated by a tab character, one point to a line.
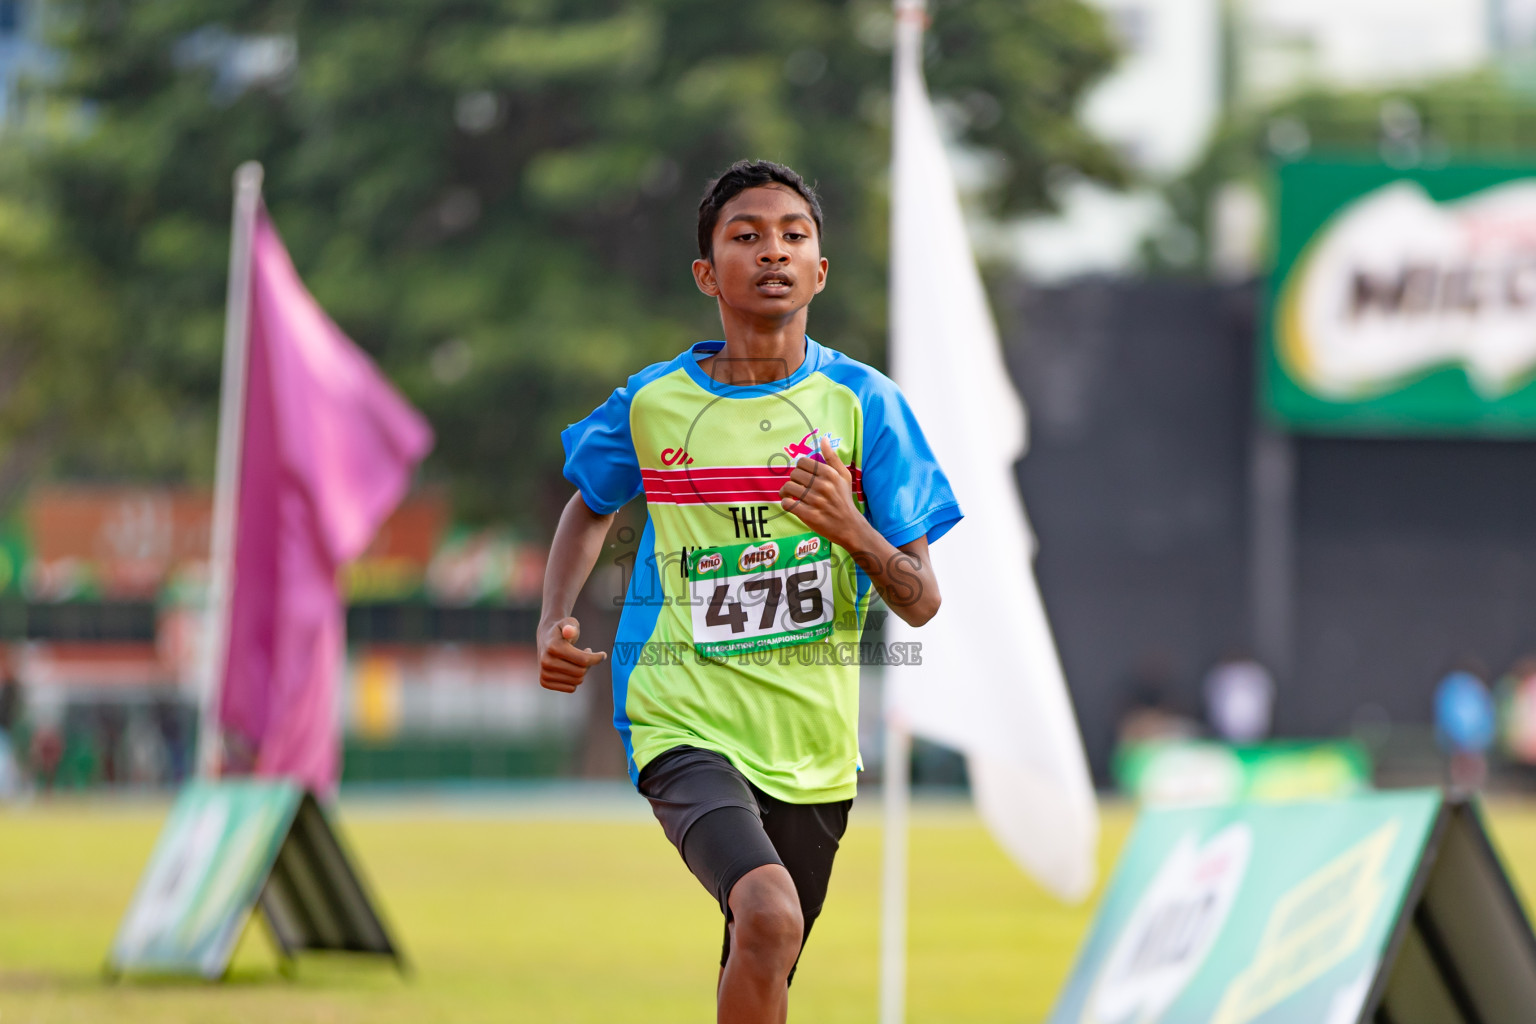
779	593
757	557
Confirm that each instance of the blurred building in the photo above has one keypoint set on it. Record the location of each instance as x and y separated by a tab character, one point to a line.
101	597
1186	62
21	52
1514	25
1285	46
1400	555
1157	108
239	62
1331	468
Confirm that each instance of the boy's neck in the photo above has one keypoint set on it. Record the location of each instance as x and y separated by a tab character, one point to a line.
756	354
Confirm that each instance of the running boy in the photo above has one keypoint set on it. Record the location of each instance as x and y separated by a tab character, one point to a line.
783	482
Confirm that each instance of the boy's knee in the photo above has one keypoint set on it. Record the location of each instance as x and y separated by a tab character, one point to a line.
766	910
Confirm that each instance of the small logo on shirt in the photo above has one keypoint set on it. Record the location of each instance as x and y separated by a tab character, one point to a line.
758	557
709	563
675	457
807	547
809	446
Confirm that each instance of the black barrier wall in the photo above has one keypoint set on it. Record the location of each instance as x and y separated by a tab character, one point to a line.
1403	555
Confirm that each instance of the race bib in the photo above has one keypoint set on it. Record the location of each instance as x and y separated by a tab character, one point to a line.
750	597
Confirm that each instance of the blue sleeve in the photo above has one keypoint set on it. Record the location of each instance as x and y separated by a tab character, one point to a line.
600	455
905	490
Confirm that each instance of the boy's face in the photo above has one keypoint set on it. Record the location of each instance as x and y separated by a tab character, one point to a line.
767	259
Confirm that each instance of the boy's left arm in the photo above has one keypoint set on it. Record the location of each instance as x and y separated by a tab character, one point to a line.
821	495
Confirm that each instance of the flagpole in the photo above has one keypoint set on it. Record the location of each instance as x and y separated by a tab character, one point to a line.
911	18
226	480
896	771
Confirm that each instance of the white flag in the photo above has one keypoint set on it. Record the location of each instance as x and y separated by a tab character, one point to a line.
990	683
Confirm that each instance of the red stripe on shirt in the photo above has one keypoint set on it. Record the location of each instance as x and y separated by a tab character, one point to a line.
690	486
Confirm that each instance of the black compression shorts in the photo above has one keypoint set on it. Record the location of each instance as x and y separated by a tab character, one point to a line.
725	827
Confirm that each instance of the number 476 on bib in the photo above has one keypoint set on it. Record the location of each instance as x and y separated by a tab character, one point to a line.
751	597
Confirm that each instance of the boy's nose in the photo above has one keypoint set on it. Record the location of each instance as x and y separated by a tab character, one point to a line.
773	255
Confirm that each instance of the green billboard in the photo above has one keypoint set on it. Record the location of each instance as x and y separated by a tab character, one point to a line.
1403	301
204	877
1385	906
228	846
1206	772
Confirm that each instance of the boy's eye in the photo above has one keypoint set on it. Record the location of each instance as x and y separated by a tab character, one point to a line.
746	236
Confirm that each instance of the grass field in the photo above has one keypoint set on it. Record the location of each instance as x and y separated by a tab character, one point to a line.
512	915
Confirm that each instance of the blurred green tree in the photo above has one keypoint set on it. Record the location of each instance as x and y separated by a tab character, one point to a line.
1482	116
56	326
497	198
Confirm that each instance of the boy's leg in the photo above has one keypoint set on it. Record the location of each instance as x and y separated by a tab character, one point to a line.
710	813
766	933
767	862
806	838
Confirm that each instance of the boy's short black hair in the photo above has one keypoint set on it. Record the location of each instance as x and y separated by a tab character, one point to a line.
740	176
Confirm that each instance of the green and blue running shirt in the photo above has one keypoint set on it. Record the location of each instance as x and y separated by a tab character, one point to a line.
741	627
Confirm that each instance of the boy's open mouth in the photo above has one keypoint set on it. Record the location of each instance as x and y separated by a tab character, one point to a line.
775	283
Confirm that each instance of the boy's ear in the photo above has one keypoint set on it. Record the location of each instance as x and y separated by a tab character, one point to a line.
704	277
821	274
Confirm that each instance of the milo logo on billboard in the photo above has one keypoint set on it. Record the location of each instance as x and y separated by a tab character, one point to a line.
1404	302
1274	912
1171	930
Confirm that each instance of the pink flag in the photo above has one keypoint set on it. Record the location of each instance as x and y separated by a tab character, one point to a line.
327	451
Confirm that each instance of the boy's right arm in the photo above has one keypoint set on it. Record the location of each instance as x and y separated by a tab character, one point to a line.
578	541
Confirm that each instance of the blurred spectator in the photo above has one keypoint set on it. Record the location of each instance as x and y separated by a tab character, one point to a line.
10	715
111	723
46	753
144	750
10	773
80	763
10	698
1515	697
1464	725
1239	699
1148	715
178	755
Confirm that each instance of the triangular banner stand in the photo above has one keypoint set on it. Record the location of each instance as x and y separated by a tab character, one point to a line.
227	847
1385	908
1465	952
